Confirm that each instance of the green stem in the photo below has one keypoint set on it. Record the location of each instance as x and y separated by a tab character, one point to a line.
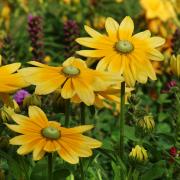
82	170
50	166
82	118
67	112
122	120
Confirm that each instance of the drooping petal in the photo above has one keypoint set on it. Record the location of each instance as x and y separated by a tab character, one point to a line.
84	91
68	91
68	154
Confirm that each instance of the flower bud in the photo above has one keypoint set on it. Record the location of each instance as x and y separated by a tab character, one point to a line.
6	113
32	100
147	123
138	154
4	142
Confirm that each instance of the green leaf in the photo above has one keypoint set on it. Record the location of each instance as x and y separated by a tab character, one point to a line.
163	128
156	171
61	174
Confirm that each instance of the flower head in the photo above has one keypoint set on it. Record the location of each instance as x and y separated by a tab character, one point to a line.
38	135
147	123
175	65
73	77
11	81
20	95
161	9
138	153
121	51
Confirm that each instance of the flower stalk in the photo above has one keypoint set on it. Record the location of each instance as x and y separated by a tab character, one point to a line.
50	166
67	112
122	120
82	118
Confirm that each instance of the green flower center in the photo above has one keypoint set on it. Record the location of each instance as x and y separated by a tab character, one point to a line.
71	70
51	132
124	46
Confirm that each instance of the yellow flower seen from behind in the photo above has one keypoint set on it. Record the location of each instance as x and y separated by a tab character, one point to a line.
175	65
121	51
38	135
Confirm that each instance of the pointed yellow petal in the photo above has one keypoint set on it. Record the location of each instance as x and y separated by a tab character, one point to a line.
112	28
126	28
75	130
68	91
37	116
84	91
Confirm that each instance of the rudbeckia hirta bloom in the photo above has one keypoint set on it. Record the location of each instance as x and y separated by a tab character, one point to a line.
121	51
10	81
175	65
138	153
38	135
73	77
161	9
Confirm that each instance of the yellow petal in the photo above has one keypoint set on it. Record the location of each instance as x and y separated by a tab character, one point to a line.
49	86
126	28
157	41
37	116
27	148
156	55
24	139
75	130
84	91
112	28
10	68
92	53
68	91
68	154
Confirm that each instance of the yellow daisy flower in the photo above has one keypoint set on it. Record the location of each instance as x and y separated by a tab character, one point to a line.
123	52
10	81
161	9
175	65
40	136
73	77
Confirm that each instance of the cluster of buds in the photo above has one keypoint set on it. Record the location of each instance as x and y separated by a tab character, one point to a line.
35	30
147	123
71	32
7	111
138	154
30	100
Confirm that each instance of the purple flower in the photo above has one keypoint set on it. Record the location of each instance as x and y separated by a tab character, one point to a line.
20	95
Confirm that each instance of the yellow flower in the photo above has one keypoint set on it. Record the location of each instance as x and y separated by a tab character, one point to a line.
74	77
175	65
9	80
147	123
47	59
123	52
38	135
99	22
162	9
5	13
138	153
